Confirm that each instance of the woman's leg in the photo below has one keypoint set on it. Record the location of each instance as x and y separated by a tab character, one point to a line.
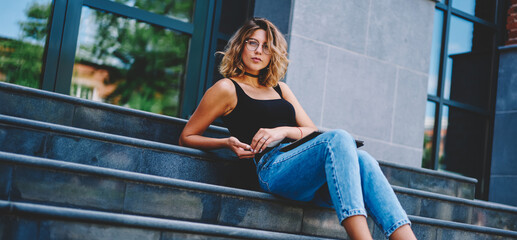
380	199
357	228
403	233
330	158
301	172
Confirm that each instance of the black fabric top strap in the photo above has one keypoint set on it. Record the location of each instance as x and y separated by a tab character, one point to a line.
238	89
278	90
249	115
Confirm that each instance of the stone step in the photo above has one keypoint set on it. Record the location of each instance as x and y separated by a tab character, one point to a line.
70	144
21	221
35	138
35	104
106	118
31	179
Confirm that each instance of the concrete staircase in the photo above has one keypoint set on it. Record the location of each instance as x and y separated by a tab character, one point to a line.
76	169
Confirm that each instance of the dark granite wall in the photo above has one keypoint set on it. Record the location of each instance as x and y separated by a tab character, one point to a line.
503	177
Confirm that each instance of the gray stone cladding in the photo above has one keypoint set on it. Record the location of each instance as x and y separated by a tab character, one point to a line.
363	66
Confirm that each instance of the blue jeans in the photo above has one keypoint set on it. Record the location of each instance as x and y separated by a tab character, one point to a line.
330	168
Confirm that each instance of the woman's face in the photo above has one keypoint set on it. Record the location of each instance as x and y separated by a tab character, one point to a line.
255	60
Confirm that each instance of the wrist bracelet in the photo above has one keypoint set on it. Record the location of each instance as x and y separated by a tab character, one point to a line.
301	132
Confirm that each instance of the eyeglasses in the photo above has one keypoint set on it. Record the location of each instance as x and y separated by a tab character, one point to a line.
253	45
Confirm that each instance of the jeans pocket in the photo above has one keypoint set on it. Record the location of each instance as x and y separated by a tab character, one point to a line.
265	159
263	182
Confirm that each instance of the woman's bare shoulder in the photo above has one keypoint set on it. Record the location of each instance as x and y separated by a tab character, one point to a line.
284	86
223	87
286	91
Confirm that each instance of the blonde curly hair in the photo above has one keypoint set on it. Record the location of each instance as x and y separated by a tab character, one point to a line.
232	64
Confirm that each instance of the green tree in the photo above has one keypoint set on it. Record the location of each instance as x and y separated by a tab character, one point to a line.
21	59
149	60
36	25
426	157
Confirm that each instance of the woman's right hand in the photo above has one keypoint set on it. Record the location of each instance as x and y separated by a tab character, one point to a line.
241	149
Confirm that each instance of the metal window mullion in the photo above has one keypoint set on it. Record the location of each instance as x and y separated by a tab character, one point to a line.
441	83
140	15
466	107
441	6
473	18
206	51
213	46
433	98
53	44
197	51
68	46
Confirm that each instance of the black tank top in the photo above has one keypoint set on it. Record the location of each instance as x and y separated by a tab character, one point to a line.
249	115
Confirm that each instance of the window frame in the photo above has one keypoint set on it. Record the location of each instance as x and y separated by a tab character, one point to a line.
441	102
61	43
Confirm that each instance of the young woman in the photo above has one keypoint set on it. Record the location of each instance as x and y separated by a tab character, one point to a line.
260	112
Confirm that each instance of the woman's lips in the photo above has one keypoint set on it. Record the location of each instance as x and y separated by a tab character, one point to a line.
255	59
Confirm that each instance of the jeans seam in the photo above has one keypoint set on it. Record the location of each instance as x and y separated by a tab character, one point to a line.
264	182
395	226
349	213
263	166
336	182
265	159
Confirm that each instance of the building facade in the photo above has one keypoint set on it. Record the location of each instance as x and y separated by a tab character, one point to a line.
424	83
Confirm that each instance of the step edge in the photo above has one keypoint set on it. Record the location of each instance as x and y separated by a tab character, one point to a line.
431	172
463	226
459	200
132	176
11	207
179	149
211	188
31	209
109	137
70	99
100	105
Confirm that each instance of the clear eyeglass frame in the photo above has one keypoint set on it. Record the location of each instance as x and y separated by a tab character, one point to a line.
253	45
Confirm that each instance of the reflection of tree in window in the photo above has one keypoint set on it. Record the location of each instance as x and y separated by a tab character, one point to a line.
21	59
145	64
178	9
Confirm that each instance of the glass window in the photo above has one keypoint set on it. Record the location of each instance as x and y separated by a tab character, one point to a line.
468	65
23	33
464	147
458	145
480	8
443	133
434	68
129	63
182	10
429	135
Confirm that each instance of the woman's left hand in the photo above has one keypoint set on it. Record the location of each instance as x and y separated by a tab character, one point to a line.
266	136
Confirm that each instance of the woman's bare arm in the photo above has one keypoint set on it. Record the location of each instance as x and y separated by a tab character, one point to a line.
302	119
217	101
